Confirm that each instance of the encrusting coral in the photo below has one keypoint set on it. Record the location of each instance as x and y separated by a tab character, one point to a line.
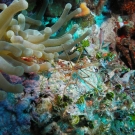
23	49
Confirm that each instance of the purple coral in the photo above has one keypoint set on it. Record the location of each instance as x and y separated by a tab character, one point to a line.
7	2
17	111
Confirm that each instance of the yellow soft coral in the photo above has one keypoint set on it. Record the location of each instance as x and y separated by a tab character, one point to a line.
85	10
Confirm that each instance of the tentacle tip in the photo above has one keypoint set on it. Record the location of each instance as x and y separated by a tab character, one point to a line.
68	6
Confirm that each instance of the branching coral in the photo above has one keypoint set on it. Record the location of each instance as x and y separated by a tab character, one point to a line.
19	43
99	6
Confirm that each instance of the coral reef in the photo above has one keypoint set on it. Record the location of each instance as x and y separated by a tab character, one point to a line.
66	79
29	50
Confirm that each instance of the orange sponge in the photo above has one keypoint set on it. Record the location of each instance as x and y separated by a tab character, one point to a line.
85	10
